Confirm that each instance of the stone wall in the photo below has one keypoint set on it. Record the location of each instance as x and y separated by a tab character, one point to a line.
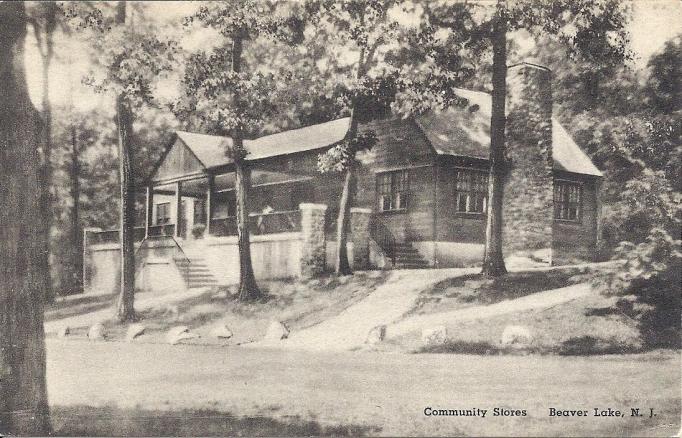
528	193
313	238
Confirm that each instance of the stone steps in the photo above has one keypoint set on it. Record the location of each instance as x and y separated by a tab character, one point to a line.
195	272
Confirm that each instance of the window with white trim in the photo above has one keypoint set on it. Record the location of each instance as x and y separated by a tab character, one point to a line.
471	191
568	199
393	189
163	213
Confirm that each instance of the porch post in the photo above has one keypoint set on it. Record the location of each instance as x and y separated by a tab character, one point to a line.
150	210
178	208
209	199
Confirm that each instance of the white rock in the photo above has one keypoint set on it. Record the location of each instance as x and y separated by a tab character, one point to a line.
376	335
174	333
221	331
516	335
97	332
435	335
134	330
64	331
276	331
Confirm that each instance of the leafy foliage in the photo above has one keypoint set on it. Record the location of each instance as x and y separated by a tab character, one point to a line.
221	99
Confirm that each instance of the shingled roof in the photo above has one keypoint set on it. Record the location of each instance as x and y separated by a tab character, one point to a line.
455	131
210	149
466	132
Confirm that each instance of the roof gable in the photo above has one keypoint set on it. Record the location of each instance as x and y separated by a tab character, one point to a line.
178	161
466	131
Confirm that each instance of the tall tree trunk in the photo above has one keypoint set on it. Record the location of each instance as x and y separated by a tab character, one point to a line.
493	260
76	268
248	288
341	262
23	394
125	310
46	165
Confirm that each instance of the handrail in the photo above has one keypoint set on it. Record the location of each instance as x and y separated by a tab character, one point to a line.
384	238
164	237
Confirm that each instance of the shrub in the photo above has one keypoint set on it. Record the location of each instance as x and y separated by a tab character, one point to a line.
198	231
651	271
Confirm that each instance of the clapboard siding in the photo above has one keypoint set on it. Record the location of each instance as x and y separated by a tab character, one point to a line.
179	161
577	240
451	226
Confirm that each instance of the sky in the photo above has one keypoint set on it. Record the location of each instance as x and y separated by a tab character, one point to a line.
653	23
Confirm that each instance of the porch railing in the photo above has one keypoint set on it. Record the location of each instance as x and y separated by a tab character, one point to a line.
112	236
261	223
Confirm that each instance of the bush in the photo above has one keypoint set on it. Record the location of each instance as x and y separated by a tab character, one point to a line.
198	231
651	271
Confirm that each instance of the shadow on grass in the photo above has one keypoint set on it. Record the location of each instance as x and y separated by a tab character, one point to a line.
114	421
76	306
476	289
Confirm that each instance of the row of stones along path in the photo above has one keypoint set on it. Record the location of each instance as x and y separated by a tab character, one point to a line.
389	303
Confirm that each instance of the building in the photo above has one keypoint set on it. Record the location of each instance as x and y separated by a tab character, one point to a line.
421	193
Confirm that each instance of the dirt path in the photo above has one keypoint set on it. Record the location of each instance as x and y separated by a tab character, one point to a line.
540	300
119	389
348	330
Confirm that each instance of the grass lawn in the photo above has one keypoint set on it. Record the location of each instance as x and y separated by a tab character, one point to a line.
592	324
473	290
588	325
297	304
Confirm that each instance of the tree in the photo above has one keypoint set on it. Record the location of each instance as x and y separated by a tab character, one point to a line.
590	29
131	61
362	27
23	404
44	22
236	101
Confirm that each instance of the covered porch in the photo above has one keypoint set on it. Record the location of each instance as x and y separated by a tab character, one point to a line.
198	206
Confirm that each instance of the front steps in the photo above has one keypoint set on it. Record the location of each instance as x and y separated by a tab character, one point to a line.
407	257
195	270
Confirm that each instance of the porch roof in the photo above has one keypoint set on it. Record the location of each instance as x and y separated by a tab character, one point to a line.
210	149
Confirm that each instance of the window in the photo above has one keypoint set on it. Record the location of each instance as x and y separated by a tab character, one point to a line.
567	201
393	190
471	191
163	213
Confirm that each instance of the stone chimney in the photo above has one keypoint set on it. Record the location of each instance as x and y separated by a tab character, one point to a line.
528	193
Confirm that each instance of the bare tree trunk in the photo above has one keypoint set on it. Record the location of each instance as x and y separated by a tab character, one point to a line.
125	310
342	265
248	288
493	261
23	394
46	165
76	268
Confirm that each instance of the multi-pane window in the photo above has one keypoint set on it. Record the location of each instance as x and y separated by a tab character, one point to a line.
567	201
393	189
471	191
163	213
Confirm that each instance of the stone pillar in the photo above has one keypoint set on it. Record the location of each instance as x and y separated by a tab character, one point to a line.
313	239
529	186
359	228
